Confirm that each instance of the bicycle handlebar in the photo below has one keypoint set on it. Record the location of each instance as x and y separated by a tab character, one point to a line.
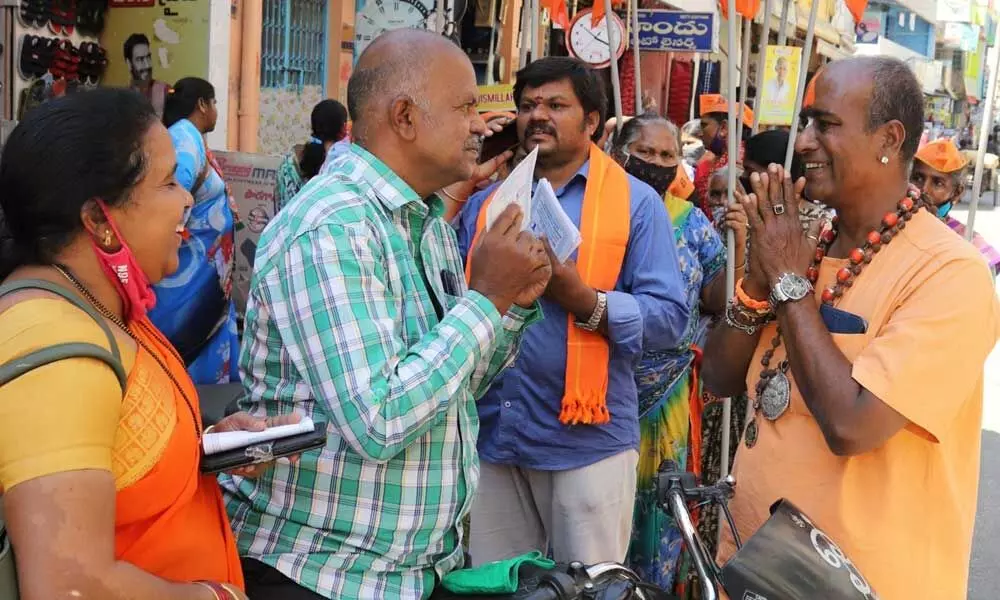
675	488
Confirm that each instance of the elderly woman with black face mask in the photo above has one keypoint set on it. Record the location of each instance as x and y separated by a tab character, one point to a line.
669	388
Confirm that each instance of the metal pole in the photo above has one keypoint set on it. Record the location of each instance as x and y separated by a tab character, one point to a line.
613	51
536	17
727	403
694	93
783	30
493	42
800	90
744	67
984	133
765	39
525	32
635	50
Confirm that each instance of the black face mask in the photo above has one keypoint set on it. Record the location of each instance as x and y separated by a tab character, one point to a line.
657	176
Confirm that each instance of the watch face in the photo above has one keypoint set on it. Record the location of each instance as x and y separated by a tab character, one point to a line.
794	287
378	16
589	43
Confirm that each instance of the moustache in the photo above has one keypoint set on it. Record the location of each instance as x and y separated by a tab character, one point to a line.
539	128
475	143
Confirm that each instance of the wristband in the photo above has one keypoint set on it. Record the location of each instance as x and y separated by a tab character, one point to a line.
761	306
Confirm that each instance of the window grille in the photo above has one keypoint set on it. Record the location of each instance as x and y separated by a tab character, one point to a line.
293	44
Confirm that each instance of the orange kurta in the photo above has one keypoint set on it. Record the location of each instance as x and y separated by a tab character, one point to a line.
904	513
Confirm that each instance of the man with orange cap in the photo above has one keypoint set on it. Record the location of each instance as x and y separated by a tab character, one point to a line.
715	136
939	171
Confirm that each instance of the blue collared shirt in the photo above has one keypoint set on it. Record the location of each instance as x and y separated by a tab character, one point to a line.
646	311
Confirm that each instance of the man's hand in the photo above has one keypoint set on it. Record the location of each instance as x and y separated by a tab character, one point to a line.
568	290
777	243
460	191
509	265
243	421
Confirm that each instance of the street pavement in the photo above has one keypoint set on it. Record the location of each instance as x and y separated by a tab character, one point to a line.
984	572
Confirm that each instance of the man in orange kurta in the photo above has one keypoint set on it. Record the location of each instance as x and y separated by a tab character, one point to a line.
879	440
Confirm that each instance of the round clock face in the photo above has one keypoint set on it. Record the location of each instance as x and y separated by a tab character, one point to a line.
589	43
379	16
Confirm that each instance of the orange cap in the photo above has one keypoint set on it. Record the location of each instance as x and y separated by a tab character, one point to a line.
942	155
717	103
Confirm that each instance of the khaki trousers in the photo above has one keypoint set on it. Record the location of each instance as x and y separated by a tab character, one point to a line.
583	514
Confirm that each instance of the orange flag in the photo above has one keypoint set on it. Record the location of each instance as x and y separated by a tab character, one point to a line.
597	13
857	8
747	8
558	11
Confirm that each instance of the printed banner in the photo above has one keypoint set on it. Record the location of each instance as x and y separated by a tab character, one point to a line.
781	76
496	98
675	31
251	179
151	47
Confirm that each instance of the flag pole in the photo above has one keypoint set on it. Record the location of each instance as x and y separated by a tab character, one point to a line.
744	67
765	39
727	403
801	88
493	42
635	50
783	31
536	17
984	133
612	53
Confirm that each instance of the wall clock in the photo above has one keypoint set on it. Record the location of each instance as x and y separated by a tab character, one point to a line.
589	42
375	17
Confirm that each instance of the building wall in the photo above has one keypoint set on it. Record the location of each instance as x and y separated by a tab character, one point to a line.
284	117
914	33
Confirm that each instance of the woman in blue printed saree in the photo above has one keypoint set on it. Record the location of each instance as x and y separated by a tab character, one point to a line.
194	308
670	403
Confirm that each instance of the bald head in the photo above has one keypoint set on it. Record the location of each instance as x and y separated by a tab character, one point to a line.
894	93
397	63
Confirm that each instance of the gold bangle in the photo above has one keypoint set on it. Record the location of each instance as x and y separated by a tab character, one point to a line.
211	588
453	199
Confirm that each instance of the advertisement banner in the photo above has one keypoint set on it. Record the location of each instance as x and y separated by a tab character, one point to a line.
973	72
781	74
251	179
960	36
495	98
151	46
868	31
675	31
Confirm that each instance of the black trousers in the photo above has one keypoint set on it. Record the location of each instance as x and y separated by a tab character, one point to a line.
264	582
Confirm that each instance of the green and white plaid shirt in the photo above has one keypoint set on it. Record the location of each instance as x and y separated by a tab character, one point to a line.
342	327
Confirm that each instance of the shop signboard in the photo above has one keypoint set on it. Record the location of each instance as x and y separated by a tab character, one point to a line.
675	31
497	98
251	179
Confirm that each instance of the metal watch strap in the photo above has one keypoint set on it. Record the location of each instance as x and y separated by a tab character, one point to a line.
595	317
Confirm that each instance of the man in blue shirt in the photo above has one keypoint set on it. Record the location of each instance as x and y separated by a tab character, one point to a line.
546	482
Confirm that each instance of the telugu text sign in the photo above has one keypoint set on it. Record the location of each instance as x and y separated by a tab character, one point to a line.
675	31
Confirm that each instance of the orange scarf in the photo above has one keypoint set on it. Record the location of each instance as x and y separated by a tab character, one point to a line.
604	229
172	522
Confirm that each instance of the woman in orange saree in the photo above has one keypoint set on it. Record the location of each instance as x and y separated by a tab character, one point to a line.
102	492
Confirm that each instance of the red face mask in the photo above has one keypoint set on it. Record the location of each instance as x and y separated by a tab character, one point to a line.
122	269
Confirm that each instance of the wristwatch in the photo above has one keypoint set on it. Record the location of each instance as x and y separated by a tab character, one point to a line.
595	317
790	288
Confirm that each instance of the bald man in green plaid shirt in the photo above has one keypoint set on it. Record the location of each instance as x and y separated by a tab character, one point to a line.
359	316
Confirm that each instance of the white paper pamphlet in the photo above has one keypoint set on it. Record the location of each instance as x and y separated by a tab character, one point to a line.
213	443
549	219
516	189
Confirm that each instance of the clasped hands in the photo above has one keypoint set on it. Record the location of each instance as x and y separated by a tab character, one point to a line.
777	242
